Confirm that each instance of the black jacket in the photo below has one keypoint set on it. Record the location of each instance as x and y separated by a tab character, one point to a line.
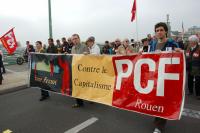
52	49
193	60
1	66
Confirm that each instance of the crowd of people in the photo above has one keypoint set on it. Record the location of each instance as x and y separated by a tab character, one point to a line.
159	42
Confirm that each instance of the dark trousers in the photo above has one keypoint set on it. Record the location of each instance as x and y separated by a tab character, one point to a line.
79	101
44	93
197	85
1	78
160	123
3	68
191	84
0	81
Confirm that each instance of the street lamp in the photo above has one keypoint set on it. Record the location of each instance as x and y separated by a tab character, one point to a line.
50	20
168	25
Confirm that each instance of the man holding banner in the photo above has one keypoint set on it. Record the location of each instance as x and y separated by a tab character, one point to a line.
162	44
51	49
78	48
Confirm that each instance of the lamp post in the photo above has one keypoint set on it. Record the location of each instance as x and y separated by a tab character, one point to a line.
168	25
50	20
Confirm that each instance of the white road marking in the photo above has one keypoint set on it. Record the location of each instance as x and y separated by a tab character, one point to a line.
7	131
191	113
81	126
10	71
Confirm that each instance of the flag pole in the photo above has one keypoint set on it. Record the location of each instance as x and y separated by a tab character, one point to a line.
183	31
50	20
134	16
137	23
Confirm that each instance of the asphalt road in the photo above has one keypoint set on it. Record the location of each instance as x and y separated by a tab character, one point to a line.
17	68
22	112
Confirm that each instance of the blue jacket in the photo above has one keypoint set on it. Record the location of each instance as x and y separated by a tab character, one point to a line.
170	43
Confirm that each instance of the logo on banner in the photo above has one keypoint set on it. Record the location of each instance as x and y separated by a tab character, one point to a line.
144	83
196	55
9	41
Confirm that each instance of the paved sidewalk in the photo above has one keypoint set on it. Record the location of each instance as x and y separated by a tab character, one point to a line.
14	81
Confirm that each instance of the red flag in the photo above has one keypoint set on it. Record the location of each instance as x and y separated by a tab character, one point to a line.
133	11
9	41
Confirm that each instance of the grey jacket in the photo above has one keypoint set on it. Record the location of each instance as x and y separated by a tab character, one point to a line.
80	49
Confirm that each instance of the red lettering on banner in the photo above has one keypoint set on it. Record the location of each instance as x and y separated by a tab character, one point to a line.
150	84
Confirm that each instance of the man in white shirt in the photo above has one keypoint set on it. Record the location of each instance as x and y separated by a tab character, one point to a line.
93	47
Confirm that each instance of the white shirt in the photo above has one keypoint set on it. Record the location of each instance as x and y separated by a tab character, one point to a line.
94	49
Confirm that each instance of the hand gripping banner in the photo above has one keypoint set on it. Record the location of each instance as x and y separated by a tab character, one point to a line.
151	84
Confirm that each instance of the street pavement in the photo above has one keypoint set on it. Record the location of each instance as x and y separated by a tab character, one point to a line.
22	112
17	68
15	78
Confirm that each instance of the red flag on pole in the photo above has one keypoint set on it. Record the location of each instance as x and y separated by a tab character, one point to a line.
9	41
133	11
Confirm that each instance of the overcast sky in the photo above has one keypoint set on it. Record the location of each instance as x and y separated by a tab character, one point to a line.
104	19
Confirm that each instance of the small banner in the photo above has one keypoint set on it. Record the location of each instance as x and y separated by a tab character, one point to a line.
151	84
9	41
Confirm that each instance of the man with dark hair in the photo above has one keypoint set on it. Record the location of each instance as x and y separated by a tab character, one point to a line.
163	25
162	43
146	46
78	48
29	48
65	46
107	49
51	49
59	46
70	44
